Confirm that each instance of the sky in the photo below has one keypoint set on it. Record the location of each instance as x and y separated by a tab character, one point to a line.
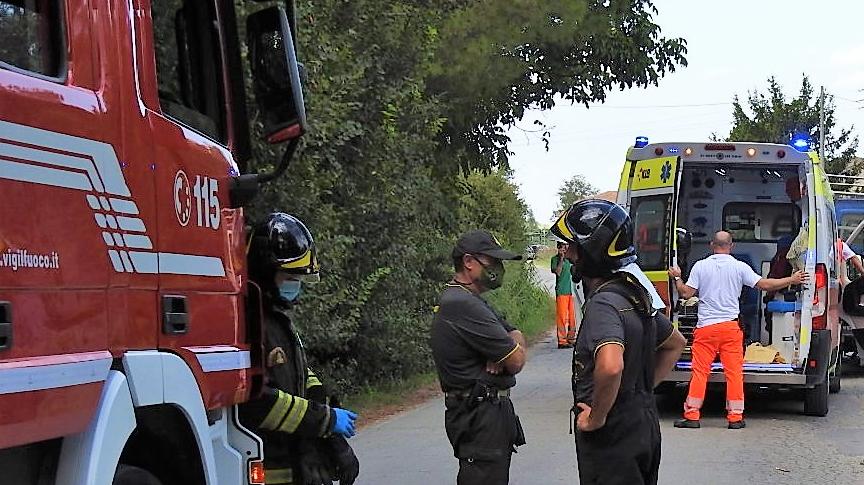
732	48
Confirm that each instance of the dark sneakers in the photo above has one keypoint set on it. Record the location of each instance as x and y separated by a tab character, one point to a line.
688	423
737	424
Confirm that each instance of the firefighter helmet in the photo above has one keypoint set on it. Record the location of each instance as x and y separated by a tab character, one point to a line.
282	243
602	230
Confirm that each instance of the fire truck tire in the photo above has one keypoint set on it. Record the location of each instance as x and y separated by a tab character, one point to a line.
132	475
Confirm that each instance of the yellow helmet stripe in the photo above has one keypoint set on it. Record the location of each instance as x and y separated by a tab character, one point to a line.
562	226
611	251
301	262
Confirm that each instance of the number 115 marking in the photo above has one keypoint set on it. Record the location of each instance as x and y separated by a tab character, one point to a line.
207	201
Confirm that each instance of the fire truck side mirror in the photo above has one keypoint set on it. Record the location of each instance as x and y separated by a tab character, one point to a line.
276	74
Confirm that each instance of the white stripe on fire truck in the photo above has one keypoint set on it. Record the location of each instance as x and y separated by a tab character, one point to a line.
42	175
52	376
219	361
187	264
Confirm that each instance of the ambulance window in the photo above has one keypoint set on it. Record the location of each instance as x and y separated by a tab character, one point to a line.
31	37
649	222
751	221
188	65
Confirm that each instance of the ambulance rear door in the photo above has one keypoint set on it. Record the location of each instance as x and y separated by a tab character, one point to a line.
652	199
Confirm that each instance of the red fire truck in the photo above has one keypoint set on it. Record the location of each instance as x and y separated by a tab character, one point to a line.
128	332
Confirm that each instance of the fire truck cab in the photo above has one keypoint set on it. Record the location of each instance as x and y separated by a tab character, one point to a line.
126	338
765	195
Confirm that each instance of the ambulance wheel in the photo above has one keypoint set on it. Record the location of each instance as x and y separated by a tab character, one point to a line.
816	399
834	378
132	475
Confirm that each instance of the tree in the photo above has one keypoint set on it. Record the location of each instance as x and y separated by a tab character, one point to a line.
497	59
384	176
577	188
773	118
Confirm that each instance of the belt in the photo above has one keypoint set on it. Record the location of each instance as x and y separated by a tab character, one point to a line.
466	394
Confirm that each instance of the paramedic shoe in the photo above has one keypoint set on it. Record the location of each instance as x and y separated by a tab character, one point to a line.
737	424
688	423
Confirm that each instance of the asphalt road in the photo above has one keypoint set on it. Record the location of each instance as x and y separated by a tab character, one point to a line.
779	445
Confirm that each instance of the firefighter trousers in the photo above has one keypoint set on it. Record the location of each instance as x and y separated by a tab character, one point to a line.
726	339
565	318
626	451
484	436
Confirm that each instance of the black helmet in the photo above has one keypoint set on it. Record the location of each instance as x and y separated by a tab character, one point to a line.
282	243
601	229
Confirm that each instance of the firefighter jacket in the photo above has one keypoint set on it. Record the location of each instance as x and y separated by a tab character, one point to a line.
293	404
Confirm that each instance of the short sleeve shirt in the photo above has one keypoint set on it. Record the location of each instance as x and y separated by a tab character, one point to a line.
467	334
563	281
611	319
719	279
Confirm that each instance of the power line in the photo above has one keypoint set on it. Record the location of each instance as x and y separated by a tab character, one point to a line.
657	106
856	101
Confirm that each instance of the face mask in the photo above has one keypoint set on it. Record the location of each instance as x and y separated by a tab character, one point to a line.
289	290
575	270
492	276
576	273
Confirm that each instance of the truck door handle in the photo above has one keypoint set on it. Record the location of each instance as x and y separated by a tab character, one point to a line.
5	325
175	316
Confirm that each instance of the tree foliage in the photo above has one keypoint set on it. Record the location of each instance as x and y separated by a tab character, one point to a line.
771	117
577	188
497	59
407	102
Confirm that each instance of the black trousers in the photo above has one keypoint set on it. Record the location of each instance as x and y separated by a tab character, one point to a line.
626	451
483	438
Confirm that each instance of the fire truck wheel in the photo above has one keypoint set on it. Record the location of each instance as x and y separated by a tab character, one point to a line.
132	475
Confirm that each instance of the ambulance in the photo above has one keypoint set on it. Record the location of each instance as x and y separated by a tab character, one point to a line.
764	195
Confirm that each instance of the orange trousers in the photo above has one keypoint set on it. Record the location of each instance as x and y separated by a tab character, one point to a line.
565	319
727	339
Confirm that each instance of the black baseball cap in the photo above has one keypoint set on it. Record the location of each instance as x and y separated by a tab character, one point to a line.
481	242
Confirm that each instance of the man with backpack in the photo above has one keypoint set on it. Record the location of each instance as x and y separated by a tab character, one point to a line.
625	346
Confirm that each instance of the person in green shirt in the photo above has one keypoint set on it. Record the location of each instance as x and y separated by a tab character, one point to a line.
564	308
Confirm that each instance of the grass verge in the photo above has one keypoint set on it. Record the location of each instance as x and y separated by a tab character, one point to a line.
522	300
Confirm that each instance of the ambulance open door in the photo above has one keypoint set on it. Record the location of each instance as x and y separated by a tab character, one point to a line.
652	199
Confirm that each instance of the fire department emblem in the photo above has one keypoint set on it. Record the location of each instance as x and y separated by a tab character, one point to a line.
277	356
182	198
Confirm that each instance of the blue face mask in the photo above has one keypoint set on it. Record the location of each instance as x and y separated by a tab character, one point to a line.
290	290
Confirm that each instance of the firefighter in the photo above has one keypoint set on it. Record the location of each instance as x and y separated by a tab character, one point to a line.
477	354
304	431
718	280
624	347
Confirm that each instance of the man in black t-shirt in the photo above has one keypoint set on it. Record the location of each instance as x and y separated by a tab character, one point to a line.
625	346
477	354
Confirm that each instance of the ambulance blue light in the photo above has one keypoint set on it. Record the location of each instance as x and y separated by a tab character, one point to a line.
641	141
800	144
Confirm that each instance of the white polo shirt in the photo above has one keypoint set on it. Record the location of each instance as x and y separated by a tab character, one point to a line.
719	279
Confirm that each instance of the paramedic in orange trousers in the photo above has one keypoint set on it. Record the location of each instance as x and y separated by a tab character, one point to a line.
565	310
718	280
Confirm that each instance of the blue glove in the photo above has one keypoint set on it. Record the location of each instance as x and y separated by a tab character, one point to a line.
344	422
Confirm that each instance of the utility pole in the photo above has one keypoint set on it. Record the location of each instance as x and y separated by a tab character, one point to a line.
822	123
